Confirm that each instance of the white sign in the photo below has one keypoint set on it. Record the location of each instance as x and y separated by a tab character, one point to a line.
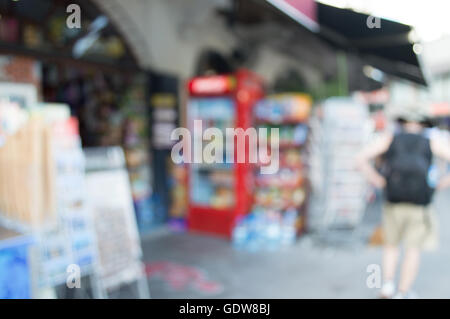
110	201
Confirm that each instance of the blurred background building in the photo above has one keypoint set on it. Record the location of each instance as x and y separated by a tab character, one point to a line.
90	94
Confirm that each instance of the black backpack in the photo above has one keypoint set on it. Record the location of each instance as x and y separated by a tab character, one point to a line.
408	162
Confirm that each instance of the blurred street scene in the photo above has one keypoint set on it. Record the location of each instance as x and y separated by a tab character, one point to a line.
207	148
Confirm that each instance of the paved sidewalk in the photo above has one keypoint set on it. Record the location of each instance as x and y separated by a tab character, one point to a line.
196	266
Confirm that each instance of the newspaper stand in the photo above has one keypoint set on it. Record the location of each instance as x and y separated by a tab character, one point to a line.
340	190
62	232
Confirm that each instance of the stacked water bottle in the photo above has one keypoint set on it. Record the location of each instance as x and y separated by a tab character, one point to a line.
263	230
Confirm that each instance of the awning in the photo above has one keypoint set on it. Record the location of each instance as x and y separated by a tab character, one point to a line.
302	11
387	48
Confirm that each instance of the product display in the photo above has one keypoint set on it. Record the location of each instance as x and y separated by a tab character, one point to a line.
220	191
267	229
112	111
66	210
279	209
18	74
45	192
43	29
340	131
15	262
212	185
100	81
73	238
283	108
136	145
168	183
12	118
26	178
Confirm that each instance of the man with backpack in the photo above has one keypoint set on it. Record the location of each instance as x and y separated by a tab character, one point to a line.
408	190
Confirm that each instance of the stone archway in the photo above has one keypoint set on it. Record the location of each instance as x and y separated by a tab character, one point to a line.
127	27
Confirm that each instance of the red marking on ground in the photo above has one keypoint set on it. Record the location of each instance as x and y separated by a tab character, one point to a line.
180	277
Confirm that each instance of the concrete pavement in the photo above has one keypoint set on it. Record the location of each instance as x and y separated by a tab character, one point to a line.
306	270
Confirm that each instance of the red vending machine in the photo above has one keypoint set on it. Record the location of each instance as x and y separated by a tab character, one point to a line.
220	192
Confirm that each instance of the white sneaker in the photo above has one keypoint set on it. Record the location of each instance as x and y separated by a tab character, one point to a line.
387	290
407	295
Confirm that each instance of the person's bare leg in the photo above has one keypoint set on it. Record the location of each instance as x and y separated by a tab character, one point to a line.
409	269
390	259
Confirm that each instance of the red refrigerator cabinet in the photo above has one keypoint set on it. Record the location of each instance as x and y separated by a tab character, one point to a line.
218	193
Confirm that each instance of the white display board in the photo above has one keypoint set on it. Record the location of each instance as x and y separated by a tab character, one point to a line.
110	201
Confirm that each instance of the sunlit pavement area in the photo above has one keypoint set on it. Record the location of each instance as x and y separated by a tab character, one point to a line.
184	265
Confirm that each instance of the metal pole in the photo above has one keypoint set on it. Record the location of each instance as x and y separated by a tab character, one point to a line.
342	67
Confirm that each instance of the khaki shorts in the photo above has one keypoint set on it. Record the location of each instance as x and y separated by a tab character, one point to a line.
414	226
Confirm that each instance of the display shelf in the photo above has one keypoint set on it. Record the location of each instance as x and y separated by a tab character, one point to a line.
280	184
340	133
212	167
292	122
279	211
294	167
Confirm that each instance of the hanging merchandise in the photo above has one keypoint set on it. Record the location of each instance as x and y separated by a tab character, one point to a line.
113	111
33	37
280	199
112	47
57	31
341	130
48	30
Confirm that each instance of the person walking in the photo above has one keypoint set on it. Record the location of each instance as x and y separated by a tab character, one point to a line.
408	218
